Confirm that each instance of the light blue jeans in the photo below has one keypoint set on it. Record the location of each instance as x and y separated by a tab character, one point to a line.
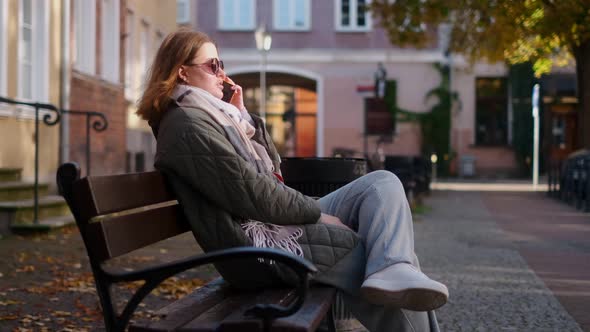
375	206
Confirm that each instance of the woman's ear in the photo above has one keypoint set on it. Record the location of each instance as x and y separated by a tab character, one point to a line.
182	74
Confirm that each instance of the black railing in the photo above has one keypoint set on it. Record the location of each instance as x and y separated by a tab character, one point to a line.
50	119
99	124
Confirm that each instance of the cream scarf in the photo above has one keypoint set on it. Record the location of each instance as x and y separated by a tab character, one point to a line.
239	128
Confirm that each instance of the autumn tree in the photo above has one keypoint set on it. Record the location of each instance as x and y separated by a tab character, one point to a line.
544	32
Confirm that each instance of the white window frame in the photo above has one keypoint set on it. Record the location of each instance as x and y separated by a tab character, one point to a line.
183	16
144	51
130	86
222	4
85	36
110	41
3	46
291	24
353	27
39	80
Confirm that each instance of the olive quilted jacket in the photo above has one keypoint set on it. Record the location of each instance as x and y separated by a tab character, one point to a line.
218	190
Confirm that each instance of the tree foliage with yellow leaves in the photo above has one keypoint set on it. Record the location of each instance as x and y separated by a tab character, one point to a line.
544	32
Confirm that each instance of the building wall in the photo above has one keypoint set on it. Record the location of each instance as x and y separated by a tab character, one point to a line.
156	18
340	107
322	33
17	125
107	148
342	61
94	93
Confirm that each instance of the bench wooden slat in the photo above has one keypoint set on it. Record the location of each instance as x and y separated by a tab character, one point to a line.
108	194
309	317
209	321
182	311
122	234
237	321
229	314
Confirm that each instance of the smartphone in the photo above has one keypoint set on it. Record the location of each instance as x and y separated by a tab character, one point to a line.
227	91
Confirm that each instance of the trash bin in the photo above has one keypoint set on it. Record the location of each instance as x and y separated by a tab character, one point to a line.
467	168
403	168
315	176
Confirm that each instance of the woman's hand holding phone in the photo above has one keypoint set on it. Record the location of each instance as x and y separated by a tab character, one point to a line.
233	93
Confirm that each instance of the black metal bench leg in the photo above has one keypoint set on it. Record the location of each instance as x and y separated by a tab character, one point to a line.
433	322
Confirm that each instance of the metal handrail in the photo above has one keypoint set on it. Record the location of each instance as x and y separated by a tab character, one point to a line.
50	119
100	124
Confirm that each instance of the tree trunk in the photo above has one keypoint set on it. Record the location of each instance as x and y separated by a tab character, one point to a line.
582	56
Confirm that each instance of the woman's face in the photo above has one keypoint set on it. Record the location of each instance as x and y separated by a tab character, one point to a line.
204	71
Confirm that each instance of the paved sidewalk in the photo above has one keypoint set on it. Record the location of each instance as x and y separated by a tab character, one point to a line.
483	245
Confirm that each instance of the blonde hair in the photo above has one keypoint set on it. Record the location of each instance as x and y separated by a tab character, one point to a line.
177	49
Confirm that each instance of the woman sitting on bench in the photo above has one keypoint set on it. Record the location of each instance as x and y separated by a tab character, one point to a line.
224	169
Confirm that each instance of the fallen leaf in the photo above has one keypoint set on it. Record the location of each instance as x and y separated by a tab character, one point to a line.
49	260
26	268
59	313
22	256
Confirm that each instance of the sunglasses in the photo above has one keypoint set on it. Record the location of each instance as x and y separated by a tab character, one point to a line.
212	66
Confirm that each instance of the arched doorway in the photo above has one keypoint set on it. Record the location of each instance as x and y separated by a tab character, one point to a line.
292	106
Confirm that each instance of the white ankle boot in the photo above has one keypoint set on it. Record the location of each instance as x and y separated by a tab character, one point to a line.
403	286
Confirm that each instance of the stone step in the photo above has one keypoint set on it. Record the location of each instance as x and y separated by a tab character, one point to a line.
10	174
22	211
44	225
16	190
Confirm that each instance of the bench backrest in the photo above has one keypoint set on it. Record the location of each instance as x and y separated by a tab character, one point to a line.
117	214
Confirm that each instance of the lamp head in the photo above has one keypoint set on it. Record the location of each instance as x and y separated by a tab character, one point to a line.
263	39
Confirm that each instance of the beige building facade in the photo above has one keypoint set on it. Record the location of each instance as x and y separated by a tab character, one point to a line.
29	66
147	24
33	65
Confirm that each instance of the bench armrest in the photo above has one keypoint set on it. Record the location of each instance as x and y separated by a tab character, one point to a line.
169	269
153	276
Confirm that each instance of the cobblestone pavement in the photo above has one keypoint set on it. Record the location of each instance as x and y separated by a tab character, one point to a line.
515	261
461	243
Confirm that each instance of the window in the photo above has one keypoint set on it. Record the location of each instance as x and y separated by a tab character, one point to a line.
236	14
352	15
129	54
85	36
3	34
491	115
110	41
33	61
25	54
183	11
291	14
144	47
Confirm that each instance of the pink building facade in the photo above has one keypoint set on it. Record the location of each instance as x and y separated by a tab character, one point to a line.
333	48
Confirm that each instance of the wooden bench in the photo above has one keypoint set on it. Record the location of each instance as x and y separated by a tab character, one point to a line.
213	307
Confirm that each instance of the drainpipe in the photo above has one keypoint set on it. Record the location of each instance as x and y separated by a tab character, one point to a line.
65	77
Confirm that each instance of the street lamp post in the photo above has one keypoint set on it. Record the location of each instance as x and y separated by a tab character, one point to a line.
263	43
535	111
